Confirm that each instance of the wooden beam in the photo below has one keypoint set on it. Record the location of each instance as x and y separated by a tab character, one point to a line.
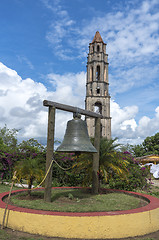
49	153
95	178
69	108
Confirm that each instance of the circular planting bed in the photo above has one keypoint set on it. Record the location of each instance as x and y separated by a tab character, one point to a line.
88	225
78	200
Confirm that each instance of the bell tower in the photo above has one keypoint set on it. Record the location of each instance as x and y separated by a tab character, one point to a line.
97	86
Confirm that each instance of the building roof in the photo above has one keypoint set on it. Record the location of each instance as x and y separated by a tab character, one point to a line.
149	158
97	38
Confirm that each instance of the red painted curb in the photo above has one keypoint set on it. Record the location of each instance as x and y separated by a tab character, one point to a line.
153	203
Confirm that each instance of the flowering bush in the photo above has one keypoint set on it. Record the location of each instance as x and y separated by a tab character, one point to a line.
7	161
8	148
62	177
137	176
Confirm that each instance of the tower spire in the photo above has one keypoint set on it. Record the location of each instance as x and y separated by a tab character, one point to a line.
97	38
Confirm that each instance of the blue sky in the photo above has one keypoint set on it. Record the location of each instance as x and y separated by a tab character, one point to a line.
43	55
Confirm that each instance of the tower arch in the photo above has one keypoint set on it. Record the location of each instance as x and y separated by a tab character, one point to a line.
98	107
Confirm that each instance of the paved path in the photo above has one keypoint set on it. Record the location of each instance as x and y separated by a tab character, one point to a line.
156	183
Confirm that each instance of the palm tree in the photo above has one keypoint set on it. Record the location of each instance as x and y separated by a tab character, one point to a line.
111	161
29	169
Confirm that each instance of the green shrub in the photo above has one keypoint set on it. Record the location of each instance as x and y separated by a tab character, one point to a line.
137	176
67	177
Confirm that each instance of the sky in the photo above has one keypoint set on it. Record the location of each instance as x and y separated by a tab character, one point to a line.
43	55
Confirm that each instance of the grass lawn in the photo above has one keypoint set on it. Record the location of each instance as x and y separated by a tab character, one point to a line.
10	235
6	188
78	200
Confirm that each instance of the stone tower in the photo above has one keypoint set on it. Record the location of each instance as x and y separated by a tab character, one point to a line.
97	86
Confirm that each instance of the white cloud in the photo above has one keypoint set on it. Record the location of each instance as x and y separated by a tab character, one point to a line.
25	60
131	123
130	33
59	31
133	45
69	86
21	107
123	121
148	126
21	104
126	128
122	80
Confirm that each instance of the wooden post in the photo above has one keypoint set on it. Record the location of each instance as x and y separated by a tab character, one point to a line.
49	153
95	178
8	200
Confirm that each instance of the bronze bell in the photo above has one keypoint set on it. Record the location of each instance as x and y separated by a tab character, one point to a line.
76	138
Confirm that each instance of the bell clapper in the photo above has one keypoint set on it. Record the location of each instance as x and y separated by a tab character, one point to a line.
76	115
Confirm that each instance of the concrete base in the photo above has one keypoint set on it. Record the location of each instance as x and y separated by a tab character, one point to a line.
90	225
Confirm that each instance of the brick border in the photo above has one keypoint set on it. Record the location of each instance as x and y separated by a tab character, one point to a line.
153	203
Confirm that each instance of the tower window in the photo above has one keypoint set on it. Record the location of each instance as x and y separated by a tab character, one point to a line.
98	48
98	107
98	90
98	73
101	130
105	74
91	74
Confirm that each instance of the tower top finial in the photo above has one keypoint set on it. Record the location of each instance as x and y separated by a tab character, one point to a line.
97	38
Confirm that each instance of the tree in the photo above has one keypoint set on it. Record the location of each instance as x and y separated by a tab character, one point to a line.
138	150
32	164
30	170
127	148
9	137
110	161
137	177
149	146
31	146
8	149
28	157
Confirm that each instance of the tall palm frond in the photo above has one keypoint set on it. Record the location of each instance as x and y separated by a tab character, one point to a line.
29	169
110	161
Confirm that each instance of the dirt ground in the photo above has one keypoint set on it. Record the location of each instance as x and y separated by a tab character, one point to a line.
15	234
